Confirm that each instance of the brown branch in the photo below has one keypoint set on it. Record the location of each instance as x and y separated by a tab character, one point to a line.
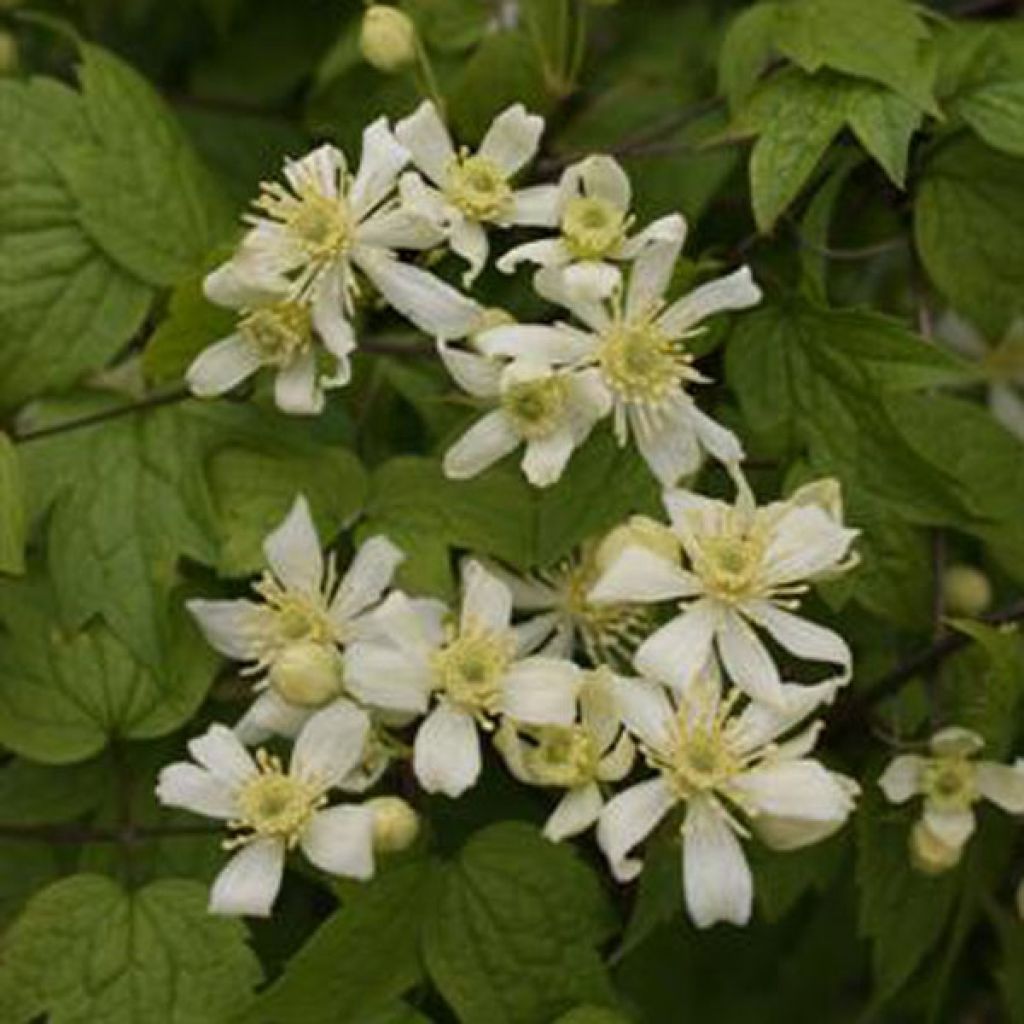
922	662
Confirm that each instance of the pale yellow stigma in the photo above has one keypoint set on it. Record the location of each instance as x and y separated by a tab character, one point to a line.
641	365
280	333
274	805
479	188
289	617
564	756
592	228
730	564
948	782
320	224
536	407
469	669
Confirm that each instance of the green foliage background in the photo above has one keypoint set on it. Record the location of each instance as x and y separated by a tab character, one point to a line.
865	156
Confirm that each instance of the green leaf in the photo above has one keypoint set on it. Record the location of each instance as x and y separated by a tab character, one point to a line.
1010	931
884	123
799	118
363	957
513	938
192	323
592	1015
65	693
41	794
984	685
253	489
142	192
968	223
782	879
996	113
65	308
902	911
86	950
880	40
746	51
12	509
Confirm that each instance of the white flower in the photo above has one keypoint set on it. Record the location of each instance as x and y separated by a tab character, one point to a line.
273	810
466	674
746	565
469	191
951	782
322	227
292	635
635	343
577	758
562	617
273	330
727	768
549	411
593	215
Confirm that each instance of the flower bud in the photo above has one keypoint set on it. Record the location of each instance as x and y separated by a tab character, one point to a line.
929	854
637	531
966	590
307	674
395	824
388	38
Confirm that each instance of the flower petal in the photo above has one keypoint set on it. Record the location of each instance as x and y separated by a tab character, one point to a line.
902	778
220	367
668	442
647	712
227	625
806	542
952	826
369	575
486	442
331	743
541	691
545	343
270	715
221	753
446	754
545	458
513	139
629	818
747	661
676	653
800	637
339	840
639	574
426	301
759	724
424	135
535	207
387	677
548	252
602	177
665	229
237	284
649	279
1003	784
477	375
249	882
296	389
400	229
578	809
486	600
383	157
468	239
717	882
737	291
194	789
293	551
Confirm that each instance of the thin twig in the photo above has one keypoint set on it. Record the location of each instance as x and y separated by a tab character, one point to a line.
864	252
179	394
924	661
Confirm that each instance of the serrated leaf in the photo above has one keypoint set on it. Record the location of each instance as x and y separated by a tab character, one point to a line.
12	509
880	40
87	952
64	694
884	123
968	222
142	192
65	308
746	51
364	956
513	936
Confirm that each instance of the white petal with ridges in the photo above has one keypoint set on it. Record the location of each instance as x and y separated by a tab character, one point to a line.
194	789
249	882
578	809
293	551
513	138
339	840
223	365
331	743
717	883
446	753
424	135
541	691
628	819
676	653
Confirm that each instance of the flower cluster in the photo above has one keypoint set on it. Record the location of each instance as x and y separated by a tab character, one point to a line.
324	243
649	659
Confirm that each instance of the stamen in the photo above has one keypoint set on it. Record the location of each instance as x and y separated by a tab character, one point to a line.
469	669
478	187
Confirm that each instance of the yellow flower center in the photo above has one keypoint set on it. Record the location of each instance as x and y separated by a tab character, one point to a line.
275	805
949	782
469	669
280	332
536	407
293	617
592	228
729	565
563	756
320	224
478	187
640	364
